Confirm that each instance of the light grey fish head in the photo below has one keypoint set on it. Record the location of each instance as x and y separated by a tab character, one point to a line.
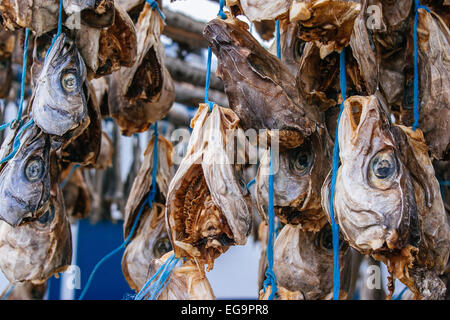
25	179
59	104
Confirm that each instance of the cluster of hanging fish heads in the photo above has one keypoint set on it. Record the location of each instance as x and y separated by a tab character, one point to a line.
362	115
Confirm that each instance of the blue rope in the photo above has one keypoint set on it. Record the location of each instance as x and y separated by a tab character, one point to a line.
416	65
400	295
270	275
24	76
335	166
221	13
8	293
277	24
149	200
155	6
445	183
72	171
252	182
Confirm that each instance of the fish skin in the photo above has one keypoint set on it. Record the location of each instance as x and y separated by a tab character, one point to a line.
259	87
297	186
38	249
55	111
20	197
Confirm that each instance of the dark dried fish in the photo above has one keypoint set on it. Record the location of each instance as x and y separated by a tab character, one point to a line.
254	79
77	199
7	44
59	103
95	13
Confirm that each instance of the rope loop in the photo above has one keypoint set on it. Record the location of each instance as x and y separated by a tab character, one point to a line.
155	6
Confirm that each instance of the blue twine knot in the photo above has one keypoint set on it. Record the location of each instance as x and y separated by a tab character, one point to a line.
271	280
155	6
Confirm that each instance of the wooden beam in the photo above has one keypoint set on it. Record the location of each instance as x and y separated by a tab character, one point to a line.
191	95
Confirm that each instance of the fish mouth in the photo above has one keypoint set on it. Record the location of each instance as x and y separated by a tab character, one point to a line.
65	120
16	211
214	32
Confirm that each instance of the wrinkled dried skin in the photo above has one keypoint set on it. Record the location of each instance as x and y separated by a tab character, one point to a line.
28	291
143	93
303	264
77	200
386	201
59	103
85	149
7	44
327	22
142	185
265	29
254	79
25	179
97	14
105	157
440	7
208	207
40	16
37	250
151	242
117	47
434	53
297	184
187	281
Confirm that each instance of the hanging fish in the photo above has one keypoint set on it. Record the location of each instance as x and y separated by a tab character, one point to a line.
303	265
59	104
40	16
37	250
25	179
7	44
387	201
258	10
97	14
327	22
142	94
297	183
254	79
186	282
208	206
77	201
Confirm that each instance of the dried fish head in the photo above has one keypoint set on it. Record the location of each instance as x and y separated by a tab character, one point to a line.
303	262
254	79
327	22
25	179
97	14
207	203
374	199
37	250
187	281
59	104
151	242
142	185
297	183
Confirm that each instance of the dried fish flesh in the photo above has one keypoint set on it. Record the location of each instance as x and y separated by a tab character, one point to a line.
7	44
208	204
59	103
28	291
37	250
77	200
97	14
25	179
142	94
254	79
258	10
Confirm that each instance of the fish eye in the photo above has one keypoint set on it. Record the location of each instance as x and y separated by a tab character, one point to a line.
69	82
34	169
382	168
301	160
161	247
48	216
299	48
